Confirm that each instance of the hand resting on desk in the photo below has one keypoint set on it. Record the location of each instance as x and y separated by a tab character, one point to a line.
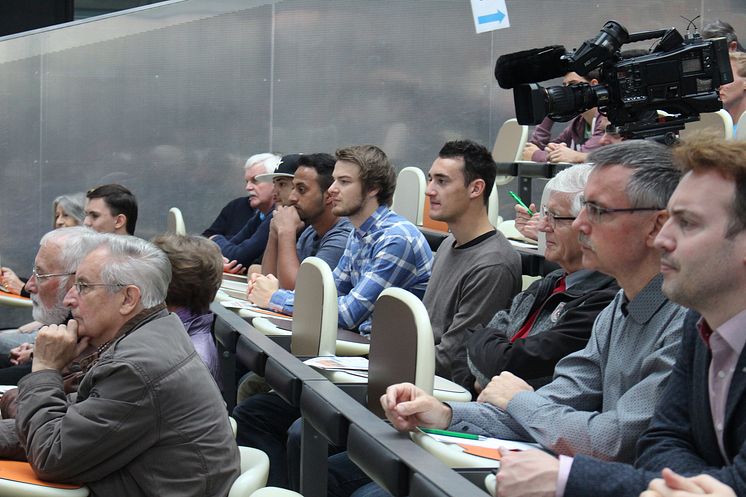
408	407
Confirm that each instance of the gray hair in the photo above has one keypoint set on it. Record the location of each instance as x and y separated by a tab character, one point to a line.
720	28
570	181
271	161
134	261
654	178
73	205
74	244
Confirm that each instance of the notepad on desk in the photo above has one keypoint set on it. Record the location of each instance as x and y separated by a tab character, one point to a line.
476	444
336	363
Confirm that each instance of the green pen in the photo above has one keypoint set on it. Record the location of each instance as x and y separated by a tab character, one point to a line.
447	433
520	202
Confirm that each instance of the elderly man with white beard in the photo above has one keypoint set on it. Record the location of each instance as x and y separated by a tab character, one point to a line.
60	252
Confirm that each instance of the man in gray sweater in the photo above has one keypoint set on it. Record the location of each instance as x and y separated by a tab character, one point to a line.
476	271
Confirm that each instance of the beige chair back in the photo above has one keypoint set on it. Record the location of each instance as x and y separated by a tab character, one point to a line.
254	472
508	147
409	196
315	312
719	122
175	222
401	347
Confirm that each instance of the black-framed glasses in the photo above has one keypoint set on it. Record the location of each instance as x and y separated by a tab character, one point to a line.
552	218
596	212
35	274
83	288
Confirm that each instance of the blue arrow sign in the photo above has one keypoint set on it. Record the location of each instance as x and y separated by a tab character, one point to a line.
497	16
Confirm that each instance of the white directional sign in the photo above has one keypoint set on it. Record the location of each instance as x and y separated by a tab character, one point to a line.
489	15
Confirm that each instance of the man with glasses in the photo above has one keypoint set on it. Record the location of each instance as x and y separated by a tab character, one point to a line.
131	430
602	397
554	316
698	425
58	257
60	252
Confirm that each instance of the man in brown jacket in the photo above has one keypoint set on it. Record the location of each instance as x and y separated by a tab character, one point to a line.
148	419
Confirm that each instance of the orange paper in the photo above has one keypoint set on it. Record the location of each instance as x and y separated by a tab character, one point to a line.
475	450
21	471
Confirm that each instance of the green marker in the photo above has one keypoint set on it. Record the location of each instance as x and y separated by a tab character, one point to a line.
520	202
447	433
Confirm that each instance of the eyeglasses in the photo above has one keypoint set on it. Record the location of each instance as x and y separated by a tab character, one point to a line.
552	218
83	288
596	212
35	274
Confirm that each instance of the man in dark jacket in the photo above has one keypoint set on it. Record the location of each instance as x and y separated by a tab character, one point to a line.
555	315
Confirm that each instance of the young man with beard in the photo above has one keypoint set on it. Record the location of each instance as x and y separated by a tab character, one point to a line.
384	250
310	206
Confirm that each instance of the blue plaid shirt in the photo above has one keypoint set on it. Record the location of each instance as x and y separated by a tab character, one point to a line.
387	250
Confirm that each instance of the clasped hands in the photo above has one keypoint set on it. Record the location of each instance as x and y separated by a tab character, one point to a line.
260	289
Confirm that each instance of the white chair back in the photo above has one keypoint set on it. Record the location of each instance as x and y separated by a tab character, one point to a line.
315	312
401	347
254	472
719	122
510	141
409	196
275	492
175	222
508	147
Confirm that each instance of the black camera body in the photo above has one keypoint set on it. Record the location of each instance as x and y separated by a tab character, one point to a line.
679	77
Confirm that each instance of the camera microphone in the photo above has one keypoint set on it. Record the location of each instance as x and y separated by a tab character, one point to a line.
531	66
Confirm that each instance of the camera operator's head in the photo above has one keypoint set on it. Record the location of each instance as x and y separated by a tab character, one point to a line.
719	29
733	94
573	78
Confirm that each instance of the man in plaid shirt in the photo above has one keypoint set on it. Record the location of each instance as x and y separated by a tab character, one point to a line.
383	250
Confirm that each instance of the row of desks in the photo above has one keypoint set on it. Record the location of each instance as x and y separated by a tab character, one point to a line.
332	416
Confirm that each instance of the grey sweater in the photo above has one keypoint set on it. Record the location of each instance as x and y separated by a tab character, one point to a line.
467	286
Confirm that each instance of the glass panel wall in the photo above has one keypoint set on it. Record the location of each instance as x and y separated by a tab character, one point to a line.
170	99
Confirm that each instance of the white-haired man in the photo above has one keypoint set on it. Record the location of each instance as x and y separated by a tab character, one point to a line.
60	252
130	420
241	232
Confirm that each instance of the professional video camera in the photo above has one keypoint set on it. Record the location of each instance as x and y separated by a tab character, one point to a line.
679	76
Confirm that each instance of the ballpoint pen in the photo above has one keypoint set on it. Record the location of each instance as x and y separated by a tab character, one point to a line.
520	202
456	434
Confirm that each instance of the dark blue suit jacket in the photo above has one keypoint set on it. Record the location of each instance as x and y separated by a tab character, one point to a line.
681	435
